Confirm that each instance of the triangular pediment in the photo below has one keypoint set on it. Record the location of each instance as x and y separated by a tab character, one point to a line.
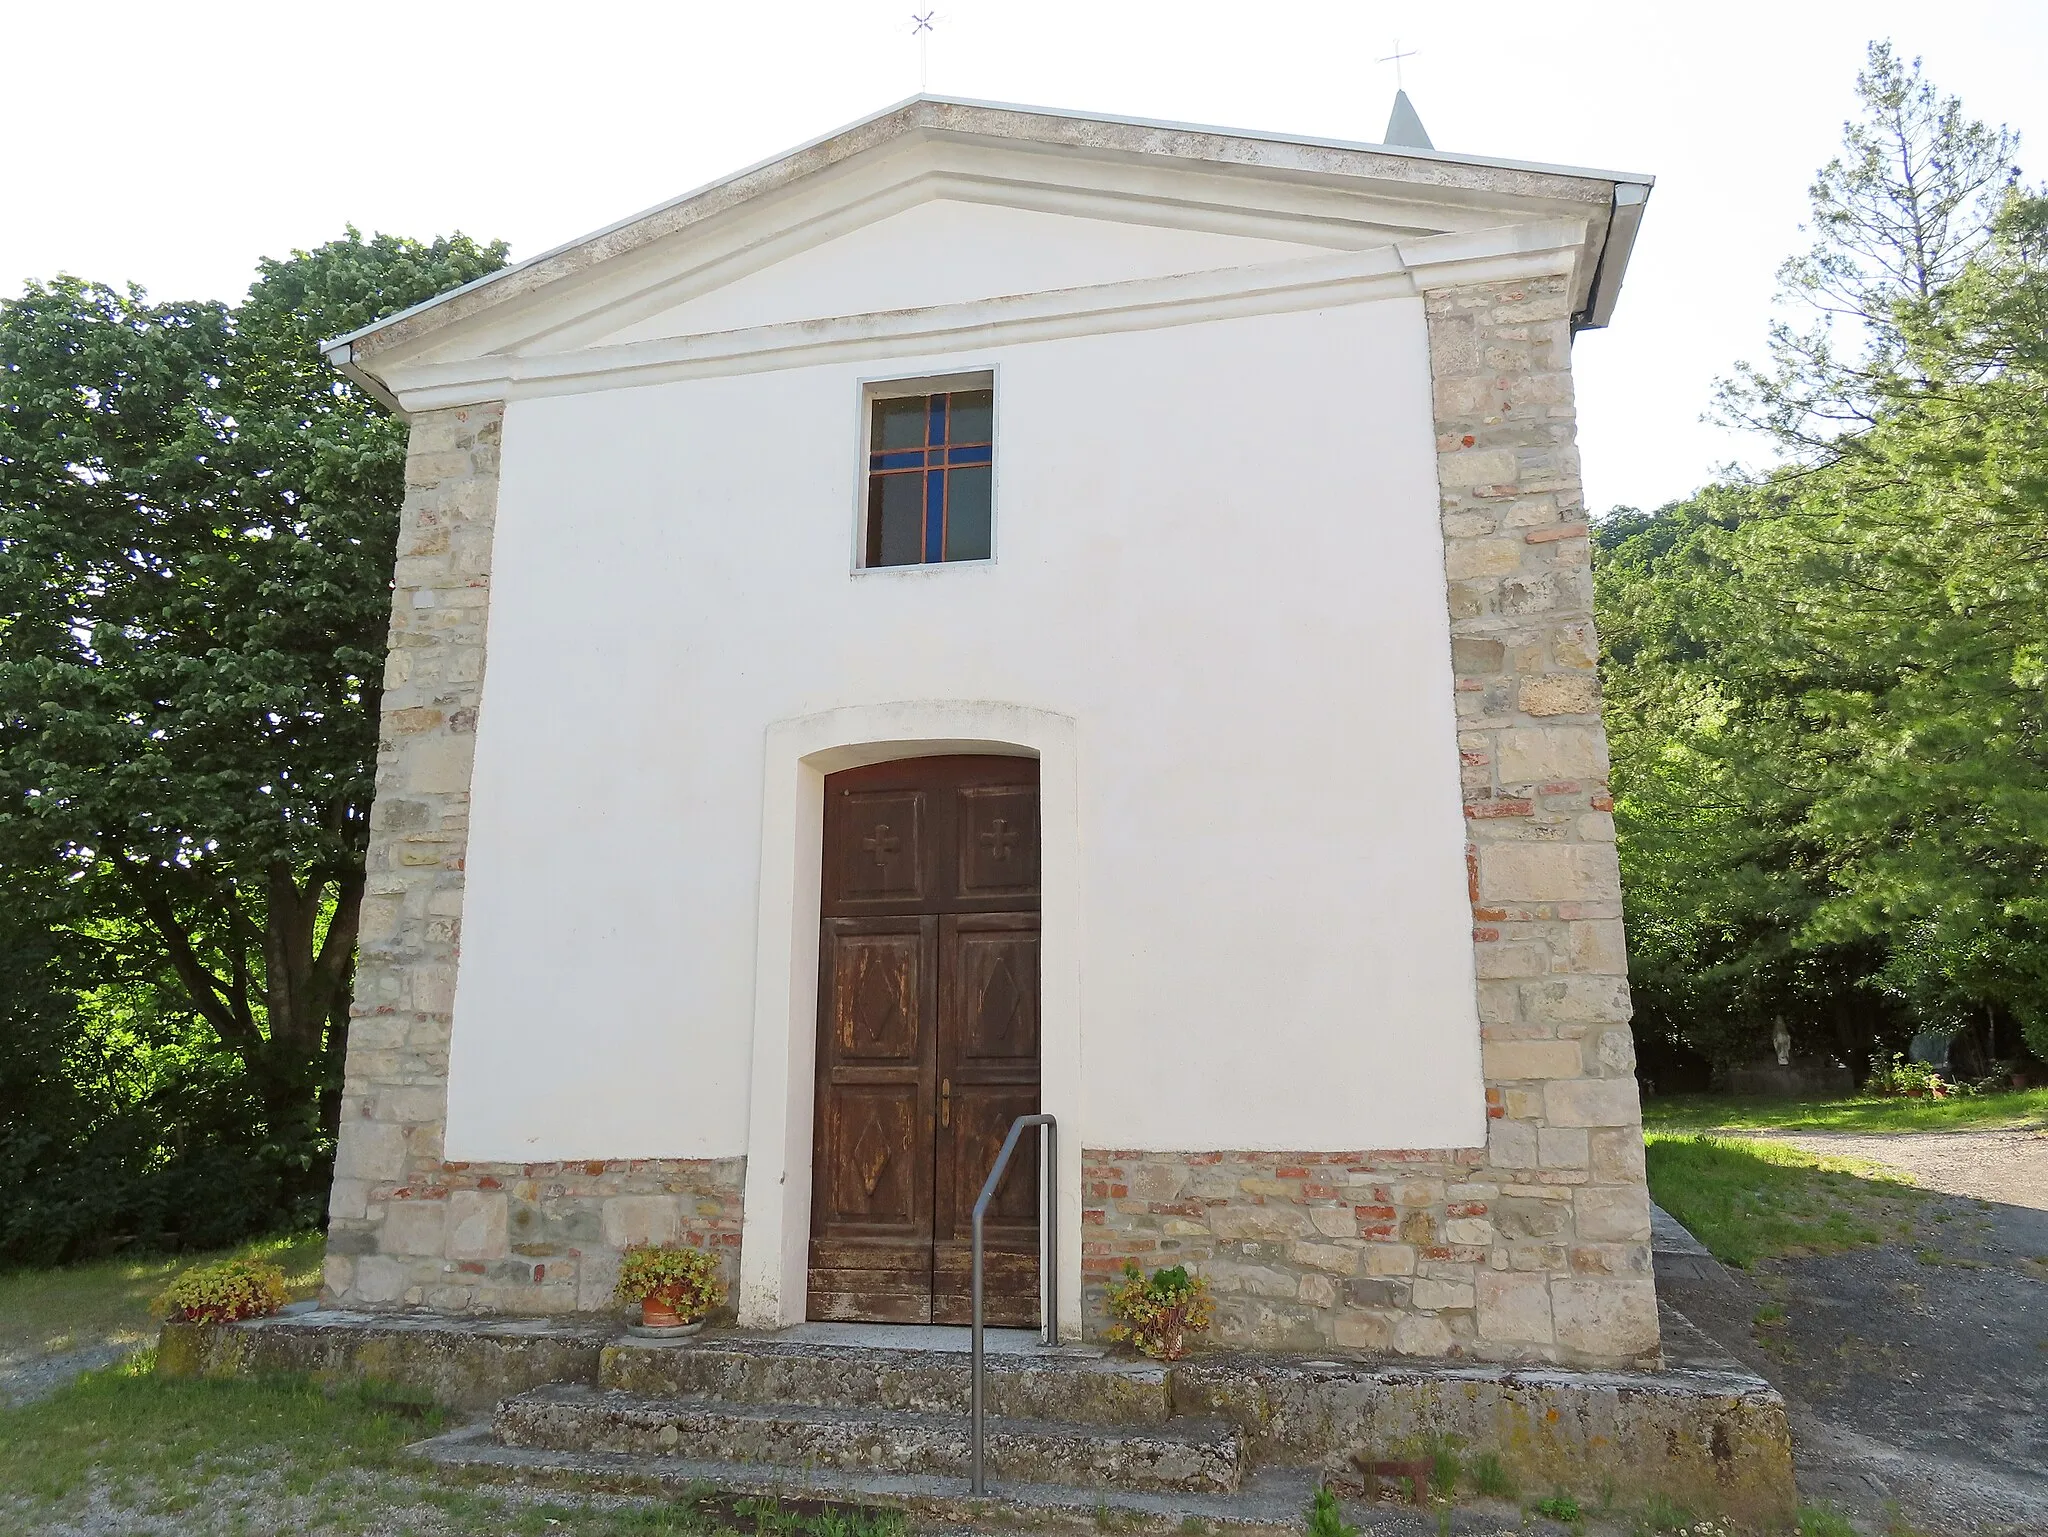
948	251
935	207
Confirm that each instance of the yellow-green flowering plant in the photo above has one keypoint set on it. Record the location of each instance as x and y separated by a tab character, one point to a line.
686	1279
224	1291
1162	1314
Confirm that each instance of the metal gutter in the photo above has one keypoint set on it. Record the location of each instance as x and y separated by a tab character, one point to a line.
341	354
1625	218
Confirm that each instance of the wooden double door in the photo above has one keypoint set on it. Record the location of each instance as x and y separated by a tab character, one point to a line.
927	1041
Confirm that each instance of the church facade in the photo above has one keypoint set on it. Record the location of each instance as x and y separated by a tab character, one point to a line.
1000	612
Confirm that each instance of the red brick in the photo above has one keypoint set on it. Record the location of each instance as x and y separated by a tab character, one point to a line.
1499	808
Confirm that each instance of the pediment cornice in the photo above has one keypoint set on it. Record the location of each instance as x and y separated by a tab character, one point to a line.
525	323
1401	269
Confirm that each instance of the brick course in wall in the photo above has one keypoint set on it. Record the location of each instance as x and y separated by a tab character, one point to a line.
1535	1247
405	1227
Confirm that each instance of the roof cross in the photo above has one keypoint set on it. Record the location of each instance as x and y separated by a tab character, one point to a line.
1395	59
921	29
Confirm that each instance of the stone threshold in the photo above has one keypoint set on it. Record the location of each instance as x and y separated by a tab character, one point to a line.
950	1339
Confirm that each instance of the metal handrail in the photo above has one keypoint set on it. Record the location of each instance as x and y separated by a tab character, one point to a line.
1048	1186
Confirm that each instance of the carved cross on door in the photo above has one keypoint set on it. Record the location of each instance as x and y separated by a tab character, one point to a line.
1000	838
882	844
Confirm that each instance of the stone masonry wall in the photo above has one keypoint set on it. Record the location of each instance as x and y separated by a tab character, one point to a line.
1535	1247
405	1228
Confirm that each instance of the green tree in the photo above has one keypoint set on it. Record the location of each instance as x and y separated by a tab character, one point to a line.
1895	218
1826	683
1715	777
197	525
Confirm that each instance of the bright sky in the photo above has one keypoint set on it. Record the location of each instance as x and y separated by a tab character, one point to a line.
172	144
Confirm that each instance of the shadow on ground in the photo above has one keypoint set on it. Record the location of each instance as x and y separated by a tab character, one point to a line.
1916	1368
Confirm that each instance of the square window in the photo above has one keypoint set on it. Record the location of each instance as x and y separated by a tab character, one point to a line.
931	478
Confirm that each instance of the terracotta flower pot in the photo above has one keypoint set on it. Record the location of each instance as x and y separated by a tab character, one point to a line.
659	1313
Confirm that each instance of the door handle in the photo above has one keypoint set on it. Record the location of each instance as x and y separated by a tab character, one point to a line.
945	1102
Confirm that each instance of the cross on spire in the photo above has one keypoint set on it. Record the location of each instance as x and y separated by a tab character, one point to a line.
1395	59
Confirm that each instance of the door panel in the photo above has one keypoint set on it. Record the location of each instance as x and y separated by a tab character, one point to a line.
988	1076
996	842
875	1154
928	1040
882	856
871	1192
875	1004
993	1017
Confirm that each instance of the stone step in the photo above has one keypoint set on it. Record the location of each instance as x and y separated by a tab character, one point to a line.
1078	1385
1203	1456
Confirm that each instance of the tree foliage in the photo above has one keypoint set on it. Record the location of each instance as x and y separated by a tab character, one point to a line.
1827	684
1896	218
197	525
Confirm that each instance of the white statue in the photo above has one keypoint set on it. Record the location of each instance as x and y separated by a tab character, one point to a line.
1782	1039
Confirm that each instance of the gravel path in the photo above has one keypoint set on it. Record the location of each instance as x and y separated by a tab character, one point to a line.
2009	1167
1916	1370
24	1380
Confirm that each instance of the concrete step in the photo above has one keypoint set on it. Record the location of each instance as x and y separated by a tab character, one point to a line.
1269	1501
1187	1455
1079	1385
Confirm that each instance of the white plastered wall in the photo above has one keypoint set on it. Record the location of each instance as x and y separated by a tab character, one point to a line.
1218	562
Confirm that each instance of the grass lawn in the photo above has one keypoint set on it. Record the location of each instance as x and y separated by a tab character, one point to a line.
1750	1200
46	1312
2025	1109
124	1450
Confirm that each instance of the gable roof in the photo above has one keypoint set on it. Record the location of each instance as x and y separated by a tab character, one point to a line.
1608	203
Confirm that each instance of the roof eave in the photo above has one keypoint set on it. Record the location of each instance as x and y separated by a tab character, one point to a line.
341	349
1624	219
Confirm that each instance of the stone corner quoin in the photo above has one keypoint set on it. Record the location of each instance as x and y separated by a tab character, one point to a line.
1535	1247
406	1228
1565	1122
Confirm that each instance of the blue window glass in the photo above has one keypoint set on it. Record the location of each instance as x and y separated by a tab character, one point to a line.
931	478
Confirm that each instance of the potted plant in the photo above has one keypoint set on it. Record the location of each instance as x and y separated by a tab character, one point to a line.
1162	1314
224	1292
675	1288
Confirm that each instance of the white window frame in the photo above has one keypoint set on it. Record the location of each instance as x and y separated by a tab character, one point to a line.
872	390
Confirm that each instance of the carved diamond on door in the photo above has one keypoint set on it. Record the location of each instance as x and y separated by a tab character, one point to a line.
999	975
875	995
870	1156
